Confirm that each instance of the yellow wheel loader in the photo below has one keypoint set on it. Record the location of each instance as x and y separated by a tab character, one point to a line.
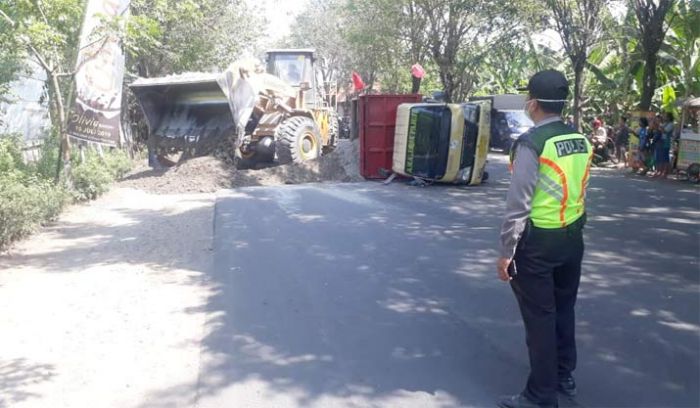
281	111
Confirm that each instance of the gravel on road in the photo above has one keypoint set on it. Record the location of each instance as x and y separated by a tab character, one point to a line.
209	174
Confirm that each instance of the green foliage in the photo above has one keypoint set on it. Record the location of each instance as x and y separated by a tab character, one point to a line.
10	153
478	47
47	32
668	100
11	63
92	177
28	196
682	48
524	57
171	36
51	27
118	163
47	164
27	200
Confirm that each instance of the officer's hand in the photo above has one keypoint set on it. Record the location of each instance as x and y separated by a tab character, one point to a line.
502	266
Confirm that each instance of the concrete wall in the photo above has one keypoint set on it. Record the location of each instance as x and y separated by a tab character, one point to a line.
26	113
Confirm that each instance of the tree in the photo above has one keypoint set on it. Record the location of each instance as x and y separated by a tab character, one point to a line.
172	36
12	60
374	45
48	32
616	63
524	58
458	33
651	16
683	45
580	27
318	27
451	39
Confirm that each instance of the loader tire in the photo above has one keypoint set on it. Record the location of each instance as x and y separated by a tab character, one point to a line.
297	140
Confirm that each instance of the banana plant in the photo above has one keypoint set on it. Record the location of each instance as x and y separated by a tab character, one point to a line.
617	66
682	47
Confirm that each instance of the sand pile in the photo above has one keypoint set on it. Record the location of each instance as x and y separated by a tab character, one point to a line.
209	174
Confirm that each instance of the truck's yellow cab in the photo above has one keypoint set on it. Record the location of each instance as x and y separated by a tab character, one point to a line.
446	143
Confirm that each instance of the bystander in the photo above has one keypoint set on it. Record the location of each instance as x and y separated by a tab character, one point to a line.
622	138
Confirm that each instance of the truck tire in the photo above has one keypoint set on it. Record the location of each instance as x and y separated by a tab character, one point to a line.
297	140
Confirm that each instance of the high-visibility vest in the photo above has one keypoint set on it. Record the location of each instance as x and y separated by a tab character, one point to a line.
565	161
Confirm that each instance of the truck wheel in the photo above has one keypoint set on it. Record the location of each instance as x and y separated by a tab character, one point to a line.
297	140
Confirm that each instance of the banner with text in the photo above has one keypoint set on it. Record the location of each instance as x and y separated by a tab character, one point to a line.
99	76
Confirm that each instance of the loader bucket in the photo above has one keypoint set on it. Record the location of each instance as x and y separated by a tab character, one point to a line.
185	113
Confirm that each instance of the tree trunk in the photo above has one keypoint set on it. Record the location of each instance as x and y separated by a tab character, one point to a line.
62	134
578	92
447	79
649	85
686	94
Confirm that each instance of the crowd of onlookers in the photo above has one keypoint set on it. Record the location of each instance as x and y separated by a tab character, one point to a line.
653	154
645	146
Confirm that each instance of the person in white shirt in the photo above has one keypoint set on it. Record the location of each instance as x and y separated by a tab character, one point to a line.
600	135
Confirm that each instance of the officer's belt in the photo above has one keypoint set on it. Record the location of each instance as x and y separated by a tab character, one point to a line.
575	226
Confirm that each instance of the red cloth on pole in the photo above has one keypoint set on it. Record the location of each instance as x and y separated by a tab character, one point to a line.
357	81
417	71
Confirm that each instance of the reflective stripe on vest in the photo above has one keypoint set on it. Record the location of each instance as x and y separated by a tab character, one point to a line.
559	197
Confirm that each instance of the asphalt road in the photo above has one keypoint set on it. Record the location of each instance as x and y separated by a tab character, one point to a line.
386	296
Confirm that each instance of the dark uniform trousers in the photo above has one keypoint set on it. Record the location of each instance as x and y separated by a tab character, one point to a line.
549	271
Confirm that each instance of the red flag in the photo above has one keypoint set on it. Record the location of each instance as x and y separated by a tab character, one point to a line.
357	81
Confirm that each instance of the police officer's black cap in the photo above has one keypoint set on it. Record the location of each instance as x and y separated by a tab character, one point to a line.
548	86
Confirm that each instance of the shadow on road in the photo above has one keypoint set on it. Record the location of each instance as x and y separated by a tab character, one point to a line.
18	377
386	296
365	295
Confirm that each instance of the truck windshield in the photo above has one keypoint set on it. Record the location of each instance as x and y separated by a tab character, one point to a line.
290	68
429	141
518	119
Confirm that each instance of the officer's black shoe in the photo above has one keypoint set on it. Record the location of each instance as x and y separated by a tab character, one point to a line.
519	401
567	386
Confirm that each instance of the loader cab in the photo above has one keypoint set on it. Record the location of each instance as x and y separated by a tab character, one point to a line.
295	67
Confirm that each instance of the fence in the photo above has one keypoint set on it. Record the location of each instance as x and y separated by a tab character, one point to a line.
31	151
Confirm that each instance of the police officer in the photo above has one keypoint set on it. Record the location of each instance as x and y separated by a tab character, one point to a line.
542	241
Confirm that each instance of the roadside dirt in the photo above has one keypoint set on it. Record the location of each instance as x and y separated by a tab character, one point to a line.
209	174
108	304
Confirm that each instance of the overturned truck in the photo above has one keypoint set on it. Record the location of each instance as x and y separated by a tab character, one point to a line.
280	112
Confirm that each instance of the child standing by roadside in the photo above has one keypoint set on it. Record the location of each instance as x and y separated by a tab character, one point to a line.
655	134
642	152
663	158
622	139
